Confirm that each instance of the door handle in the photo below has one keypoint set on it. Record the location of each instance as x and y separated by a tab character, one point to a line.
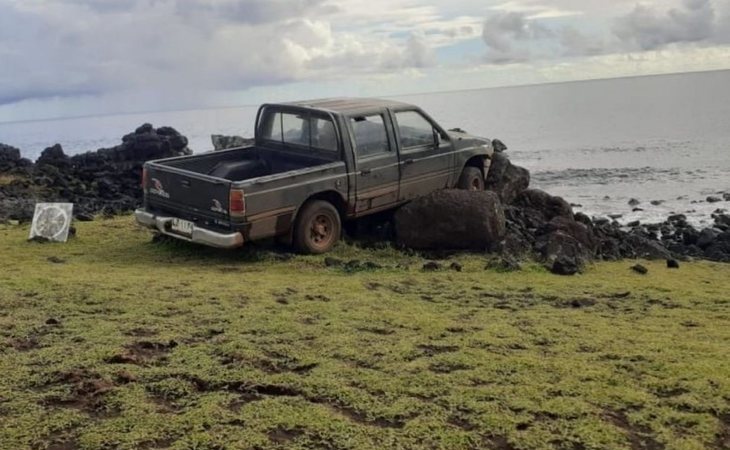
365	172
409	161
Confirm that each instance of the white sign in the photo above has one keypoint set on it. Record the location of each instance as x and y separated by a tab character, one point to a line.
52	221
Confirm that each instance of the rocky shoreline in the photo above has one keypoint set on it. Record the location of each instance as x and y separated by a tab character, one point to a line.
106	181
510	219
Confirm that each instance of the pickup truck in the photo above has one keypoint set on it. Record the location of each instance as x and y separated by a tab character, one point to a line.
313	165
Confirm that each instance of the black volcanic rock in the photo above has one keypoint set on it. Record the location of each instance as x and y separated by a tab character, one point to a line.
506	179
105	181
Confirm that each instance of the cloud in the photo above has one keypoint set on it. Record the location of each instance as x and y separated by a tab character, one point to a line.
88	47
521	35
647	28
508	36
535	10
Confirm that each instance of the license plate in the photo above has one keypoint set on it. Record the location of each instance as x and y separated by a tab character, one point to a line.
182	227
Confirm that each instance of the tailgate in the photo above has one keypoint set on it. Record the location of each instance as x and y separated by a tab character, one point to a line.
188	195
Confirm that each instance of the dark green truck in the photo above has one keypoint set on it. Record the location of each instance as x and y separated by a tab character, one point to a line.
314	164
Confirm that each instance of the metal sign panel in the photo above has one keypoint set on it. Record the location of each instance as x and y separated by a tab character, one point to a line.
52	221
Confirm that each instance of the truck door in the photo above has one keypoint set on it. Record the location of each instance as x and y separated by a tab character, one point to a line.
376	162
426	160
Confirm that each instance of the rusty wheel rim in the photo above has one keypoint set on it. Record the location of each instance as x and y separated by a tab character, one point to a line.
321	231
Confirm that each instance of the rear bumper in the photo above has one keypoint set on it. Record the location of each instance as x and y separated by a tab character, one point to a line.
198	236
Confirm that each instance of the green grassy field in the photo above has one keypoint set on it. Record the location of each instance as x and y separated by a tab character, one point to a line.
111	341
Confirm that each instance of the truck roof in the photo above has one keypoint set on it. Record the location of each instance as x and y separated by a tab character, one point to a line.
349	105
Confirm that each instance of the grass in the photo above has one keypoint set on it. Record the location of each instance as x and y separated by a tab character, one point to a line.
112	341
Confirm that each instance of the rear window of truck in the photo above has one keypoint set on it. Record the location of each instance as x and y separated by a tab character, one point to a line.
300	130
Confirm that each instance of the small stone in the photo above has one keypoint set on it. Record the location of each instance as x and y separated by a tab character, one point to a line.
504	264
353	265
633	224
634	202
565	266
713	199
456	267
52	321
638	268
333	262
672	264
56	260
431	266
637	209
615	216
657	202
726	196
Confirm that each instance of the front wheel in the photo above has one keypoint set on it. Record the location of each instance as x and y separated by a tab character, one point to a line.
318	228
471	179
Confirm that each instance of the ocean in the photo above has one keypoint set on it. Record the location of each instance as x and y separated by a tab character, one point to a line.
662	139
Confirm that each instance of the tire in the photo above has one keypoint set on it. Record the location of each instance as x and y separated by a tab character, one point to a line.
318	228
471	179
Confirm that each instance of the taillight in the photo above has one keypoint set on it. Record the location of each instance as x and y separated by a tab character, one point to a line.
144	179
236	203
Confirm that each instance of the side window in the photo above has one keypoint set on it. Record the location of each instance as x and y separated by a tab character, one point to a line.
370	135
415	130
271	128
295	129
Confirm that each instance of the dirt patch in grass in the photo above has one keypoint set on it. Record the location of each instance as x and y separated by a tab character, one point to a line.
282	436
142	352
640	437
723	435
88	393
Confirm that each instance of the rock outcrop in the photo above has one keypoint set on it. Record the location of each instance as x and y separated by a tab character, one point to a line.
545	227
104	181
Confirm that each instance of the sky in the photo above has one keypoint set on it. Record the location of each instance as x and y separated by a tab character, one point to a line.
63	58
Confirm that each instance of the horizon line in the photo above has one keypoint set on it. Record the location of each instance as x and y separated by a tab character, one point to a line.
448	91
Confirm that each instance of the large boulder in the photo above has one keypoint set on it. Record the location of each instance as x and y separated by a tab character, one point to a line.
506	179
719	249
451	219
53	156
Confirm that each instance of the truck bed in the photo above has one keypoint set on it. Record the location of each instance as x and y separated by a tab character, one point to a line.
245	163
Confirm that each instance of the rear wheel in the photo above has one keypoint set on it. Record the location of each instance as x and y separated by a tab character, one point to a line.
318	228
471	179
